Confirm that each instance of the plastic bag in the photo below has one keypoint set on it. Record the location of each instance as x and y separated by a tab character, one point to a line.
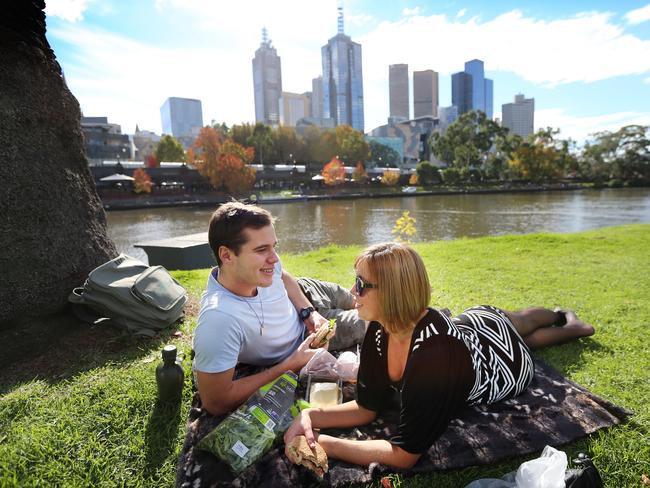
321	364
248	433
347	366
547	471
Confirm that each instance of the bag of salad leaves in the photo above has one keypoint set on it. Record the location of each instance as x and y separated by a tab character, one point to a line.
248	433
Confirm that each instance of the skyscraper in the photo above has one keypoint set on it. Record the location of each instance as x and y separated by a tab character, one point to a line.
481	89
398	90
267	82
342	79
519	117
182	118
317	97
293	107
425	93
461	91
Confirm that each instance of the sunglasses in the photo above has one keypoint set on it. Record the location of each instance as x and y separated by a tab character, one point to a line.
360	285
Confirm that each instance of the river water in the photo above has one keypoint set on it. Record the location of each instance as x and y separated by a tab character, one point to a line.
304	226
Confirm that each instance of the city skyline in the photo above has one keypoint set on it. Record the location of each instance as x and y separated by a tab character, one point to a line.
123	60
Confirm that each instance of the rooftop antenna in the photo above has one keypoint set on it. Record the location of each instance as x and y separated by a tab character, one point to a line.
265	36
340	17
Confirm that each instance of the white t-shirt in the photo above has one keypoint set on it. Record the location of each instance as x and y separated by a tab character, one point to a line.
228	330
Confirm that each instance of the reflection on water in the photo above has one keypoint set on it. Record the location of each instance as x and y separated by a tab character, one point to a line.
305	226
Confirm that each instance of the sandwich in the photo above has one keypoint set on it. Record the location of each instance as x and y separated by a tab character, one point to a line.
299	452
324	334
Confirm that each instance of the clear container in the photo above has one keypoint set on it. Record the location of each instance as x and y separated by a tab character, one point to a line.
324	392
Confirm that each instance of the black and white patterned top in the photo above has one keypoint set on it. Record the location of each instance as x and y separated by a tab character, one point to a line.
477	357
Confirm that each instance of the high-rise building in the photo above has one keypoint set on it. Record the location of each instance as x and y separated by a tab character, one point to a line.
182	118
425	93
342	79
519	117
293	107
267	82
447	116
398	90
461	91
481	89
317	97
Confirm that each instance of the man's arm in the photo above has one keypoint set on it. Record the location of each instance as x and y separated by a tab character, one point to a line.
300	301
220	393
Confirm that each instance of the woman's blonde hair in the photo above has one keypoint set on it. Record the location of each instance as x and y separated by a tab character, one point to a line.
402	283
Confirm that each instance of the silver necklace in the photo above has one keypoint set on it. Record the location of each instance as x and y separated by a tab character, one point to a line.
261	322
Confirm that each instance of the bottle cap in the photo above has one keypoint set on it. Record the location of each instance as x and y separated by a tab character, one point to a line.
169	353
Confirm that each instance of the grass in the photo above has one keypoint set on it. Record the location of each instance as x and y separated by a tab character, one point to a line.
97	423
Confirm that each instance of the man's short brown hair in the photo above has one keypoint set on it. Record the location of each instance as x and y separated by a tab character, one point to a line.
228	222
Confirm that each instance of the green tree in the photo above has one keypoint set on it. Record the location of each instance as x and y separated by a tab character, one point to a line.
384	156
622	155
169	149
467	141
427	173
351	144
289	147
542	157
262	140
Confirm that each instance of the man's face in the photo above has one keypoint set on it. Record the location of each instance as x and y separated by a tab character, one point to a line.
256	260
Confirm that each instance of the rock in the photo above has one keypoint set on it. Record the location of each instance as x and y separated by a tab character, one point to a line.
52	224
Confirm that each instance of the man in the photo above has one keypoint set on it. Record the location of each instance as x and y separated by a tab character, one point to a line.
254	312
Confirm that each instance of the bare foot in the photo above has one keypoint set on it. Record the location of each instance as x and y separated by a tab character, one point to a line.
582	329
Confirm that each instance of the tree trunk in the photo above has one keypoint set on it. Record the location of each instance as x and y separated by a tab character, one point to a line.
53	226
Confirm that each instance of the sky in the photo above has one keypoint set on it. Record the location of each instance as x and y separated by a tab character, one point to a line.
586	63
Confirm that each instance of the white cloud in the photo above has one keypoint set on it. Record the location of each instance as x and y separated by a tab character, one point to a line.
461	13
580	128
647	80
411	11
639	15
70	10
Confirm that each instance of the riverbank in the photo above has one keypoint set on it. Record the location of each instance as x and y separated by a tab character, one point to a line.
188	200
84	413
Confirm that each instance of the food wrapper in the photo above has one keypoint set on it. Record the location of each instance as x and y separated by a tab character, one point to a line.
249	432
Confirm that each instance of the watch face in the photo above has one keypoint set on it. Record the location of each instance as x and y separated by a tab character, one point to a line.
305	313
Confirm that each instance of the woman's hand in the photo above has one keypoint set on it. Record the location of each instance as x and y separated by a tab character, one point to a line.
301	425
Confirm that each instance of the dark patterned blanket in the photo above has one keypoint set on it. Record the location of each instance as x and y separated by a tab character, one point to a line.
553	410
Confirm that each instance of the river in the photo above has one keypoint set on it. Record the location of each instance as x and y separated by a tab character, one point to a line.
304	226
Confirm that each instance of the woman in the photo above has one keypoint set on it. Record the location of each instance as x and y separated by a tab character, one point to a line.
425	365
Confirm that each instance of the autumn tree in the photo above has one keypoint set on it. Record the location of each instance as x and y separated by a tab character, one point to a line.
334	172
225	163
141	181
359	175
169	149
390	178
150	161
542	156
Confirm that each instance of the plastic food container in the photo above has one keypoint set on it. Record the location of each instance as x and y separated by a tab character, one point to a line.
324	392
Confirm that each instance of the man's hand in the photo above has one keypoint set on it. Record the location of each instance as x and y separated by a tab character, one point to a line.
315	322
300	356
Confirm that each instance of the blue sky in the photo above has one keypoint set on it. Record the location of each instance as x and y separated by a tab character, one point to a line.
587	64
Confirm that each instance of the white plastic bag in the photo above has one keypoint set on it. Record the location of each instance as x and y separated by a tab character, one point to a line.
547	471
347	366
321	364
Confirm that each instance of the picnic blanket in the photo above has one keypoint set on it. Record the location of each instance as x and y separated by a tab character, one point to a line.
552	411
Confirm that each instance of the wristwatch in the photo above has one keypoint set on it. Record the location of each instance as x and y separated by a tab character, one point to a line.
304	313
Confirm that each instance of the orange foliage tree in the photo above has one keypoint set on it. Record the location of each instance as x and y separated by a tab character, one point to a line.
414	179
390	178
334	172
141	181
359	175
150	161
222	161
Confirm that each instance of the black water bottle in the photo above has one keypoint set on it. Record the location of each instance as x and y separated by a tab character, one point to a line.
169	376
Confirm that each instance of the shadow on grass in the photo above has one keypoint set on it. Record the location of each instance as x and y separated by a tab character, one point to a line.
161	435
60	346
573	355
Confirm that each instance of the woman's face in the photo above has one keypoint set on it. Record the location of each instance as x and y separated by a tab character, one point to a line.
366	302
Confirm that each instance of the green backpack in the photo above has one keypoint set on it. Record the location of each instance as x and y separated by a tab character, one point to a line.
131	295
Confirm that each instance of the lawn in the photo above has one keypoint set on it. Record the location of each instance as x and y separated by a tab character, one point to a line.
95	421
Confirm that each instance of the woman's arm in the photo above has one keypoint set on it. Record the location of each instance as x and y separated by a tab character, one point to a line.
366	452
348	414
